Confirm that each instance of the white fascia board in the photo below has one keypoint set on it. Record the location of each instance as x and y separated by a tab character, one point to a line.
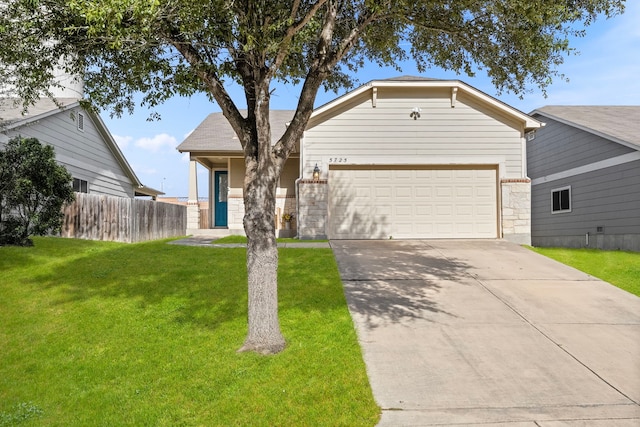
591	167
21	122
529	122
341	99
113	146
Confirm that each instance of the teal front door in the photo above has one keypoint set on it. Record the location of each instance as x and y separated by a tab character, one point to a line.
220	190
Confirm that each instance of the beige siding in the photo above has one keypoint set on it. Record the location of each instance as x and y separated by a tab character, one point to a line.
288	177
287	184
358	133
84	153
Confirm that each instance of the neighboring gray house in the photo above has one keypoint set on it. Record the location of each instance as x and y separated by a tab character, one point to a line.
585	171
81	141
407	157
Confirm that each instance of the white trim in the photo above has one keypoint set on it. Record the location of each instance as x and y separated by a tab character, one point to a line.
561	211
529	122
422	160
592	167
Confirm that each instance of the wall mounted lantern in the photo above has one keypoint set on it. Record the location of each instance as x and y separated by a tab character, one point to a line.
415	113
316	173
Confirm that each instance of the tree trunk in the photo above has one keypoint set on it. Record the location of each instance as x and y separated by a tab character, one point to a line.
264	334
262	170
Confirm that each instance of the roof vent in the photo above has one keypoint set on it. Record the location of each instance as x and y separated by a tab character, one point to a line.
81	122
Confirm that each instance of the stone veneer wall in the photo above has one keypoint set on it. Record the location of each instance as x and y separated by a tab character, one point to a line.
516	210
193	215
313	197
235	212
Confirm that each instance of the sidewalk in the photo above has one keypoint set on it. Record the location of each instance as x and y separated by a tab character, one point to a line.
206	241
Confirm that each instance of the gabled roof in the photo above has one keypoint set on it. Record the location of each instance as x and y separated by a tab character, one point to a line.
424	82
216	134
620	124
12	117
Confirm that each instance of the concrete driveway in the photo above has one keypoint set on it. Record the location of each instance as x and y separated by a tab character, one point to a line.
484	332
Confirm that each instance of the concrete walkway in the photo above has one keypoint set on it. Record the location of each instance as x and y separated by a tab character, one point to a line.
207	241
489	333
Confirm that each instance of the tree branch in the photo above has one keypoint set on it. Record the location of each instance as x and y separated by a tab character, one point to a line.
212	82
283	48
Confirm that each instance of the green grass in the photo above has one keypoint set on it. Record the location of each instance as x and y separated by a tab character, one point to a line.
243	239
619	268
106	334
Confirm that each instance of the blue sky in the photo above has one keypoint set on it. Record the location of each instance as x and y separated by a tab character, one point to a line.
606	72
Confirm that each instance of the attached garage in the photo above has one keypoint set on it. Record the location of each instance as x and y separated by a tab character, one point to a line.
415	158
381	202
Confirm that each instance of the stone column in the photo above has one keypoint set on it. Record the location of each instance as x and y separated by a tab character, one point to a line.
193	209
312	215
516	210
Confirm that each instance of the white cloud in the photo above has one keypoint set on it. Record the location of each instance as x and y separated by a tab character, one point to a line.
156	143
148	171
185	157
122	141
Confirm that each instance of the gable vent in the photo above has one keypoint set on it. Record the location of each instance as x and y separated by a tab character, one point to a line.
81	122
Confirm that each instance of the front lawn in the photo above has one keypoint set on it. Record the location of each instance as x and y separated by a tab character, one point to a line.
621	269
106	334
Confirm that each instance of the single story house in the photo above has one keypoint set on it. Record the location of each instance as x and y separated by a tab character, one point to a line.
407	157
81	141
585	171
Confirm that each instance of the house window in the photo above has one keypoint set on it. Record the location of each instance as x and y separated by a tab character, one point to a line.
561	200
80	185
81	122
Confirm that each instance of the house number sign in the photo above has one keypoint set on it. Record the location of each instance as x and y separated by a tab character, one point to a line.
337	160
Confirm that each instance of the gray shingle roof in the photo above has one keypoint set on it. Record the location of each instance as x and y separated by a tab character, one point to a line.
216	134
621	123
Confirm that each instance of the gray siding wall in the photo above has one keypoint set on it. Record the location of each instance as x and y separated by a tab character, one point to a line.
558	147
608	197
84	153
386	134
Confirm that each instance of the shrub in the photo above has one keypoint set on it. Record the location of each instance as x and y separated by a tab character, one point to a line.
33	189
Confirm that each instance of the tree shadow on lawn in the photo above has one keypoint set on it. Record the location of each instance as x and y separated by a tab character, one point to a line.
394	281
200	285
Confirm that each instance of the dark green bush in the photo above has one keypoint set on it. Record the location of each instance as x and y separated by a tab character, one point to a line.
33	189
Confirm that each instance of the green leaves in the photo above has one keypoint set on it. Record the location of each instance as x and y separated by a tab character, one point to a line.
33	189
167	47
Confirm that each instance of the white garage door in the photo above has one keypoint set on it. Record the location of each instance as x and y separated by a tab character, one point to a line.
413	202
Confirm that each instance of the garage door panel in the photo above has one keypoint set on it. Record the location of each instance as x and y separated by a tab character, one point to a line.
382	174
412	203
464	211
423	192
464	191
402	211
403	192
444	192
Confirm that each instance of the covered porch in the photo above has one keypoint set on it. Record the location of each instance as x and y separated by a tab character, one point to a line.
225	212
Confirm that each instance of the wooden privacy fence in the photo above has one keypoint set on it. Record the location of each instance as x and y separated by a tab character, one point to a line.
120	219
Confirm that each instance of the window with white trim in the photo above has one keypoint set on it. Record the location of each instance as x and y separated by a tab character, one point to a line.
80	185
561	200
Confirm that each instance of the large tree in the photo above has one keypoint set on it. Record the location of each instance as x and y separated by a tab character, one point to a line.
166	47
